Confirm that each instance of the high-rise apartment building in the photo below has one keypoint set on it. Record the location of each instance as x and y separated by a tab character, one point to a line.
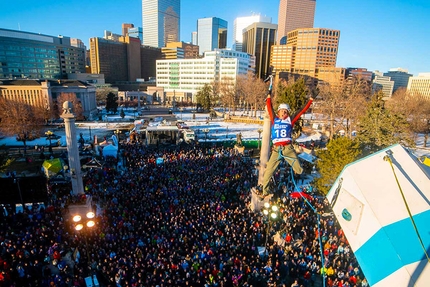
294	14
109	35
211	34
183	78
122	60
125	27
400	78
136	32
306	52
258	38
194	38
241	23
383	83
420	85
160	22
77	43
37	56
109	57
180	50
359	73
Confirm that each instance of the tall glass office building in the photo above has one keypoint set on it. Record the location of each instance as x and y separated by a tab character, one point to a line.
160	22
211	34
36	56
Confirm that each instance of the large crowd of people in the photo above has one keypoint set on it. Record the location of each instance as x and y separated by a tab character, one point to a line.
176	216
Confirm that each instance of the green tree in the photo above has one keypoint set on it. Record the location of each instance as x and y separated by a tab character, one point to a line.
380	128
331	161
101	94
111	103
296	95
204	97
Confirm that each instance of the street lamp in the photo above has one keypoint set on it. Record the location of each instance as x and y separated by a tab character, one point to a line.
117	133
181	109
16	180
49	135
88	223
206	131
259	137
271	211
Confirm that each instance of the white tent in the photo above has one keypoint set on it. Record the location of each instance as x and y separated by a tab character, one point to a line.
371	199
110	150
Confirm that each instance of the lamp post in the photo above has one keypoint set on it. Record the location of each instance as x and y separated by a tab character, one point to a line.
16	180
49	136
206	131
181	109
87	223
271	211
117	133
259	137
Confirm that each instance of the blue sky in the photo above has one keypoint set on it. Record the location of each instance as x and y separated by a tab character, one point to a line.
377	35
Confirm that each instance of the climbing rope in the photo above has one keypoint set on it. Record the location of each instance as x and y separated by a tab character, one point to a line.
281	156
388	158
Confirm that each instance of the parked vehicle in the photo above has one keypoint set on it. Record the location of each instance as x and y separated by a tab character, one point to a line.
188	135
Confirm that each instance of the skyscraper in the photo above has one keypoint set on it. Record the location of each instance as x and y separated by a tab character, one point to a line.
399	76
211	34
160	22
258	38
241	23
122	60
136	32
294	14
194	37
309	51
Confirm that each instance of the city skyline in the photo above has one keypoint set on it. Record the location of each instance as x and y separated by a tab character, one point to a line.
374	35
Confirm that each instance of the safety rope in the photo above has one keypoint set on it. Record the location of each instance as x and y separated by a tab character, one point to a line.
388	158
281	156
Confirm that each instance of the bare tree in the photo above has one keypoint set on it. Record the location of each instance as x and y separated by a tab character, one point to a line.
414	108
229	94
358	94
77	106
252	91
20	119
343	103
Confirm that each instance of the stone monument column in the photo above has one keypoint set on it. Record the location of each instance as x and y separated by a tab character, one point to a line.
72	148
265	147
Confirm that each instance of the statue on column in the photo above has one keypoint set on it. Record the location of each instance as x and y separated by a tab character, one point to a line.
67	107
239	140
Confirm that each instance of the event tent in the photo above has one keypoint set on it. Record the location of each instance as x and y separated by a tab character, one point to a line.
382	203
52	166
110	150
